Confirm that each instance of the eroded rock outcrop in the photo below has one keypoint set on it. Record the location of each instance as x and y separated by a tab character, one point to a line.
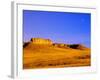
77	46
41	41
48	42
60	45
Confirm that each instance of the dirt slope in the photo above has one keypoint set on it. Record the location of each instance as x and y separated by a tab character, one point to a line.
53	56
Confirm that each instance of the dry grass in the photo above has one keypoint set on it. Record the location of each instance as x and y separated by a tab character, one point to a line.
41	56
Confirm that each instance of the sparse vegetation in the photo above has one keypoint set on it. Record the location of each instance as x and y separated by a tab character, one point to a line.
55	55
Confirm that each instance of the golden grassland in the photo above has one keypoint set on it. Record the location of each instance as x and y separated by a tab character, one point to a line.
45	56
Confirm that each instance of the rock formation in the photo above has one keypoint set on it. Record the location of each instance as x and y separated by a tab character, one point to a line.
48	42
77	46
41	41
60	45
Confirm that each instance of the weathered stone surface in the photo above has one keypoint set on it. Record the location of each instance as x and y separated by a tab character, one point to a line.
41	41
48	42
77	46
60	45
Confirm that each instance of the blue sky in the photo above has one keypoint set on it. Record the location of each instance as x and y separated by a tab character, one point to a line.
60	27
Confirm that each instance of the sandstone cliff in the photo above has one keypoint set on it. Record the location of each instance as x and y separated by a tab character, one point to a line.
61	45
41	41
77	46
47	42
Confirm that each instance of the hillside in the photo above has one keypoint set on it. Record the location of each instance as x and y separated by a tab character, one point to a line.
43	53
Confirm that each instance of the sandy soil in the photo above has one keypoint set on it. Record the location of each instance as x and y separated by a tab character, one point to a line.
41	56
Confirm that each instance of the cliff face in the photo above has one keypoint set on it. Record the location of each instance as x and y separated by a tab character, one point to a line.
61	45
48	42
77	46
41	41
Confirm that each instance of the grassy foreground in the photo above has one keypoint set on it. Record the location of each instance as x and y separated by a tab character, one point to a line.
45	56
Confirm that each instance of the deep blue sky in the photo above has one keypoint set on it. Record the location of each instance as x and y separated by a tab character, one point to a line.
60	27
